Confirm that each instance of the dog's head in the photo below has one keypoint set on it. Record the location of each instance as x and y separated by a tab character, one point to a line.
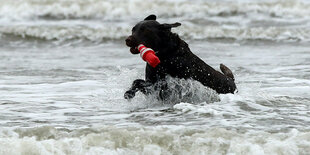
148	32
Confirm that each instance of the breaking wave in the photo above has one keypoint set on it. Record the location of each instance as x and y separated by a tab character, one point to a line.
98	20
186	32
156	140
123	9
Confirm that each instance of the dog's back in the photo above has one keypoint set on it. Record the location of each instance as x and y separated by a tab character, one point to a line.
182	63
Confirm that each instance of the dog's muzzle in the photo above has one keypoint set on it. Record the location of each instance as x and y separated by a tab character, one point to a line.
132	43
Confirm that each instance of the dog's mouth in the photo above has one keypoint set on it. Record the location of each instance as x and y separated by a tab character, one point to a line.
133	44
134	50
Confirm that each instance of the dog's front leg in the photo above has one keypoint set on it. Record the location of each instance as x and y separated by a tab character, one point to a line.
137	85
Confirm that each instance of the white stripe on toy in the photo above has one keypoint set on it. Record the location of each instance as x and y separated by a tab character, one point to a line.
144	51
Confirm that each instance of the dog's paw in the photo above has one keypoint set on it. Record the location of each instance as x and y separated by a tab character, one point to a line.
129	94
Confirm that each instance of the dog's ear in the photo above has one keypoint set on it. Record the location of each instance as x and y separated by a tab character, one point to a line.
150	17
169	26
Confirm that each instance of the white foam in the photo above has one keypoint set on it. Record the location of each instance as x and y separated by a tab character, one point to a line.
251	33
157	140
205	109
121	9
284	19
186	31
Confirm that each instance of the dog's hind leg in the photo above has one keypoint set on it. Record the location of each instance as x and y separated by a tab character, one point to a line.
137	85
226	71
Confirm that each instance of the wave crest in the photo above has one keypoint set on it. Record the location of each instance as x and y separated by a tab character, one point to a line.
153	140
98	34
122	9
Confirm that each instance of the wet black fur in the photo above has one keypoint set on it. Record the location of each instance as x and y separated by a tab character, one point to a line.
176	60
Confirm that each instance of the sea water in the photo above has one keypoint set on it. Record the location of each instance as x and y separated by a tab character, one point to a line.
64	68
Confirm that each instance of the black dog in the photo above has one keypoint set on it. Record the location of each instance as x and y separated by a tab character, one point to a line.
176	60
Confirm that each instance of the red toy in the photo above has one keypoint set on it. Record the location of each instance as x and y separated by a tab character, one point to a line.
148	55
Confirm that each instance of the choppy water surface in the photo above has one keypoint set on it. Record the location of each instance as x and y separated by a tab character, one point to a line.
64	69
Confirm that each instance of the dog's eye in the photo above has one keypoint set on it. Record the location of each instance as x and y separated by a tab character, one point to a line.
133	29
142	28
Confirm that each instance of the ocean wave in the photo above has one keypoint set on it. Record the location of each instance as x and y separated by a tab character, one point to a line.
63	33
123	9
247	33
98	20
155	140
196	32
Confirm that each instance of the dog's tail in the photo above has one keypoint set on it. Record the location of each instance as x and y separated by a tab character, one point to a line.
227	71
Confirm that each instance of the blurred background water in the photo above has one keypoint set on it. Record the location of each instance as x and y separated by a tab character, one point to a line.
65	67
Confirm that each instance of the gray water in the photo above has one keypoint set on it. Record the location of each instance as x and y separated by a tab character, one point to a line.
64	69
